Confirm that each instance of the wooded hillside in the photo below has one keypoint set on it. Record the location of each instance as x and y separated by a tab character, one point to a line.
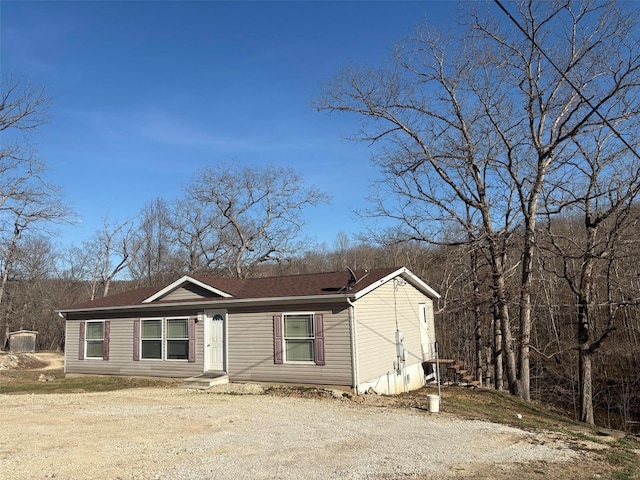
465	320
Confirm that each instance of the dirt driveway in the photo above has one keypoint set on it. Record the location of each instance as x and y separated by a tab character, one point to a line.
183	434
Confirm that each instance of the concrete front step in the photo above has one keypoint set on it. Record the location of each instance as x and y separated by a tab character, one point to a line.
205	381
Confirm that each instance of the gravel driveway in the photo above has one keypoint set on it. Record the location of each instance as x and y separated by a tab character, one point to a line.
184	434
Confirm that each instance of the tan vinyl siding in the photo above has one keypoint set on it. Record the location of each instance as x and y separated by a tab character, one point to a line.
376	315
250	337
121	355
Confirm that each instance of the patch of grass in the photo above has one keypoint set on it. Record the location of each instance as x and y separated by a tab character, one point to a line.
622	455
18	382
499	407
625	455
626	475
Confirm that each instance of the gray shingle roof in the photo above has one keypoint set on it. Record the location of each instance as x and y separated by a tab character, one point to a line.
305	285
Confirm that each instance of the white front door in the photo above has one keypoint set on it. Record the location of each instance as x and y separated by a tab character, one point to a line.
214	339
425	336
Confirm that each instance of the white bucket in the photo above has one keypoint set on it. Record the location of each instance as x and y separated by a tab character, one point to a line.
434	403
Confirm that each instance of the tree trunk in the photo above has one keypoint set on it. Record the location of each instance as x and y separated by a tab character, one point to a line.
8	261
477	316
478	338
584	381
524	386
488	374
530	209
497	351
585	350
585	389
508	354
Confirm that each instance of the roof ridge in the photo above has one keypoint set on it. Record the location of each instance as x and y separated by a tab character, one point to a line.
196	276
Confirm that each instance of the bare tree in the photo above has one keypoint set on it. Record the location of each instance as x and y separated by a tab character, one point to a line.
23	106
38	205
197	231
256	212
102	258
31	294
28	203
153	253
599	194
481	125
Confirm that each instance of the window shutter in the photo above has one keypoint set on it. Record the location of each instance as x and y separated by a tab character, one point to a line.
277	339
105	340
81	342
318	344
192	339
136	339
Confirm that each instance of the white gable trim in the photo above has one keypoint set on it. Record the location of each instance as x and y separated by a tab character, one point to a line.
181	281
407	275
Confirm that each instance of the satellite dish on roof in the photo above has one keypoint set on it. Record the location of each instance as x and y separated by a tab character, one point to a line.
352	279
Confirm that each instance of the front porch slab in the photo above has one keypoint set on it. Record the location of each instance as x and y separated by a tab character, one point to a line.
206	380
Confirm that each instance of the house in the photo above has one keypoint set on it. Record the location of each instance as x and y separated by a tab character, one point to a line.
359	330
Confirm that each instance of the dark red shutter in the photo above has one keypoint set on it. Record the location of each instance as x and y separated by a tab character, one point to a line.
81	342
192	339
318	344
277	339
105	340
136	339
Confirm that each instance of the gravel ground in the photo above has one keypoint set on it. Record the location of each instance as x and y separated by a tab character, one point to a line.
186	434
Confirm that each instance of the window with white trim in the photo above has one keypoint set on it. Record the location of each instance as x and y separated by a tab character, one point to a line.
177	339
94	339
299	337
151	339
164	339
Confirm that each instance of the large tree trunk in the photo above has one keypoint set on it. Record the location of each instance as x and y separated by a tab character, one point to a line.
585	348
584	365
500	294
524	387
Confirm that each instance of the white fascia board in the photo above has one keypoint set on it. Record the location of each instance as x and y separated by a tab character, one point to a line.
182	281
407	275
217	304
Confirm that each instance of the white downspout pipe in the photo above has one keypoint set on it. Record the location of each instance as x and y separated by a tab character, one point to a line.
66	325
355	362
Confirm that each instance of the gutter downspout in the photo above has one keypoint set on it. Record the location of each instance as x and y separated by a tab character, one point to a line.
64	366
354	345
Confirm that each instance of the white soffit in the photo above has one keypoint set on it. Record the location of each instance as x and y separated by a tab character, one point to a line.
181	281
407	275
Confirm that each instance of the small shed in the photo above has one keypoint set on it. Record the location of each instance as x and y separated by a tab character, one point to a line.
22	341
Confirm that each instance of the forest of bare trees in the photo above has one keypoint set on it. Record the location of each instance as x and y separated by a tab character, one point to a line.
509	167
466	319
490	131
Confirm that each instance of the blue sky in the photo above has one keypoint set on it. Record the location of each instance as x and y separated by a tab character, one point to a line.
147	93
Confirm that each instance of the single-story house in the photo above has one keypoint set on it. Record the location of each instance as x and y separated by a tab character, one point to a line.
363	330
